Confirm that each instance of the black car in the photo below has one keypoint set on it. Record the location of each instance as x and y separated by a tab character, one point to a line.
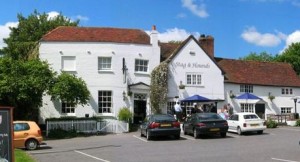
205	123
160	125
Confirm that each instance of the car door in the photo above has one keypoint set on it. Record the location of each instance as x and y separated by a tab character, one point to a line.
21	132
233	122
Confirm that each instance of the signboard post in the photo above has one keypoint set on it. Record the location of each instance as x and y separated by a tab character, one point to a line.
6	134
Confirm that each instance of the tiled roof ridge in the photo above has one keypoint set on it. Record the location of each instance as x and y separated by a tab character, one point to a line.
252	61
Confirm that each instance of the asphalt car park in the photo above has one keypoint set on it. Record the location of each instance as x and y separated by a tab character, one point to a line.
280	144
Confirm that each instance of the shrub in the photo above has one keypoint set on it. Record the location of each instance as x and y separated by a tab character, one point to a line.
297	123
271	123
59	133
124	115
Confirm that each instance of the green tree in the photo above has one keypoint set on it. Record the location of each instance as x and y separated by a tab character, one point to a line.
69	88
263	56
291	55
22	42
22	84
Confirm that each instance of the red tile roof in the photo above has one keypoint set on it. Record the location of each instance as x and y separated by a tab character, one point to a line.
90	34
246	72
259	73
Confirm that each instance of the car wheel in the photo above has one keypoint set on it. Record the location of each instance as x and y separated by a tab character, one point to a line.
148	135
223	134
31	144
195	134
260	132
239	131
177	136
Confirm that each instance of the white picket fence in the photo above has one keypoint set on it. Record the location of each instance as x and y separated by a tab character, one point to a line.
89	126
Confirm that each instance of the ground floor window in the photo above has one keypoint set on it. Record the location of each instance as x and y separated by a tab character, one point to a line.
67	108
245	107
286	110
104	101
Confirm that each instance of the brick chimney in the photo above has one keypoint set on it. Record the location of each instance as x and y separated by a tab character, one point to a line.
207	44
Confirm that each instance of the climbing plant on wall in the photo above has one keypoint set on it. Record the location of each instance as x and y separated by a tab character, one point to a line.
159	87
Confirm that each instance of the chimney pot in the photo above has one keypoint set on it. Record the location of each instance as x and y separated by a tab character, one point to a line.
153	27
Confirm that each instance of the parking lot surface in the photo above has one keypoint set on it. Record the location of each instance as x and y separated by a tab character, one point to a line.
274	145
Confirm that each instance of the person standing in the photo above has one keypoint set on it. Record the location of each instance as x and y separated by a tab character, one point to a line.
178	111
230	109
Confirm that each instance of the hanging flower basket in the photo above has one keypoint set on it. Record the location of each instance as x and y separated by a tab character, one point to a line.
181	86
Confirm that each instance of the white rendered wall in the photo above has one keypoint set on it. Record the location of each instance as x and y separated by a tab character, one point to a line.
271	107
87	68
198	62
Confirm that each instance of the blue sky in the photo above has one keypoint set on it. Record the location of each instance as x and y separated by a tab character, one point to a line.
238	26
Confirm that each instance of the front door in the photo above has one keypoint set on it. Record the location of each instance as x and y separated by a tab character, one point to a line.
139	111
260	110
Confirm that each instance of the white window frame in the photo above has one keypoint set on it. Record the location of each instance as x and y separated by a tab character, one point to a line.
68	63
247	107
194	79
104	63
141	66
287	91
68	109
286	110
246	88
105	101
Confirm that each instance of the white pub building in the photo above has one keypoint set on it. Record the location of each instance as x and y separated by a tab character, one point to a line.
116	65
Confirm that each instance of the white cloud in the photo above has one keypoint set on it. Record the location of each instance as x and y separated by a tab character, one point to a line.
52	14
292	38
175	34
251	35
198	10
4	32
81	18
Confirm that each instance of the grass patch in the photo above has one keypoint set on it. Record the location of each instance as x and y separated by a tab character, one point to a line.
22	156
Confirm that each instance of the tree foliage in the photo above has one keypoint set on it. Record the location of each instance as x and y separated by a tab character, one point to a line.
22	42
159	87
291	55
22	84
24	79
263	56
69	88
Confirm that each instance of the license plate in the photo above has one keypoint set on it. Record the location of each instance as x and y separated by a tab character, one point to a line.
214	129
254	125
165	125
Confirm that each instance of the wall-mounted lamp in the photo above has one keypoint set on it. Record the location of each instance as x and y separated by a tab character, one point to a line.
140	54
124	95
89	52
181	86
61	52
113	52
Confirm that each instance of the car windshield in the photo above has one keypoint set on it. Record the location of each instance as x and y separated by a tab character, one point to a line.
208	116
252	116
163	118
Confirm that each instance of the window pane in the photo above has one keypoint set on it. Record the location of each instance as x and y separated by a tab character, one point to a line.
68	63
141	65
104	63
104	101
